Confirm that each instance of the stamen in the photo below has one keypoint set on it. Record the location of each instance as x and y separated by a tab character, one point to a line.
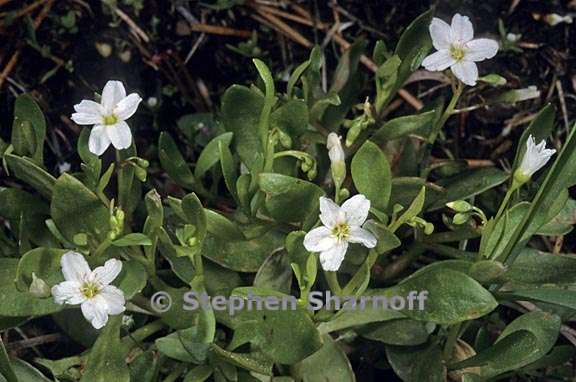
341	231
457	52
110	119
89	289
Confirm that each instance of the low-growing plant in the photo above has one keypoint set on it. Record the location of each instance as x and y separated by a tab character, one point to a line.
302	190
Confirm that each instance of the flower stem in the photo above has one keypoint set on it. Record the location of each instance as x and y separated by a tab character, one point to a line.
102	247
504	204
453	334
332	279
458	88
515	185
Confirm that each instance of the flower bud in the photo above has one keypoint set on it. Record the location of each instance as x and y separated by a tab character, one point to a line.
38	287
337	159
460	206
460	218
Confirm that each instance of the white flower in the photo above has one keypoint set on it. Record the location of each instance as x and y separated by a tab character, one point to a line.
457	50
341	225
108	117
334	146
89	288
535	157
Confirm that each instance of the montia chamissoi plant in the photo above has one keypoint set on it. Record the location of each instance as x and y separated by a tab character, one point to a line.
362	238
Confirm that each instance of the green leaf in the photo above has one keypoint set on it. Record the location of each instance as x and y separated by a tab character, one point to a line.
331	354
371	175
416	364
92	165
26	372
195	215
415	208
285	336
562	175
562	223
403	331
242	255
264	120
106	361
132	239
29	172
254	361
412	48
468	184
275	273
6	368
347	83
241	108
556	296
199	374
228	170
525	340
402	126
14	303
145	367
28	129
291	117
453	296
27	215
283	193
221	227
75	209
211	154
173	162
536	267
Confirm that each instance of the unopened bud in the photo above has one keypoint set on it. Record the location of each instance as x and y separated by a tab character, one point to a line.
38	287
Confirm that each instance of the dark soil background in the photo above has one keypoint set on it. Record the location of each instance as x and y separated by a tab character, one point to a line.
178	57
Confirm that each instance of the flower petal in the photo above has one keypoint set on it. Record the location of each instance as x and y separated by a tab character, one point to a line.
319	239
462	29
115	300
332	259
440	33
127	106
466	71
98	141
120	135
330	213
86	119
356	209
68	292
108	272
87	113
74	266
362	236
95	311
438	61
481	49
113	93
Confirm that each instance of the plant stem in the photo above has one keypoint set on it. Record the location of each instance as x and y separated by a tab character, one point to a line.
453	334
332	279
459	87
504	203
5	364
437	127
102	247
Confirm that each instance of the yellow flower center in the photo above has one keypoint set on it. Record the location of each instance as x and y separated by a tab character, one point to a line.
457	52
90	289
341	231
110	119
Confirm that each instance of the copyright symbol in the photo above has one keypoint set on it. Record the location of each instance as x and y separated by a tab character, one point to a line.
160	302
